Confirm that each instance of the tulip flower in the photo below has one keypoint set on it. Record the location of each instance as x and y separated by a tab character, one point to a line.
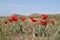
15	18
44	16
22	19
10	20
52	21
5	22
34	19
43	22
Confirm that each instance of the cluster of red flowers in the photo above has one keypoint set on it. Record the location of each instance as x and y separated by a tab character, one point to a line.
42	22
14	18
11	19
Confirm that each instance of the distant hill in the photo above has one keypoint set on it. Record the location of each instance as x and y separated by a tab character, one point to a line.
56	16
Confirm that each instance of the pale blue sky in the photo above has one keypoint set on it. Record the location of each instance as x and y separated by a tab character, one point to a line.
27	7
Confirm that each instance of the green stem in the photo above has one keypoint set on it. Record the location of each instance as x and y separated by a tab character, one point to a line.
39	30
33	34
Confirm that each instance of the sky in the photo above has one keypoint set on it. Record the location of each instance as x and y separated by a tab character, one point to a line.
27	7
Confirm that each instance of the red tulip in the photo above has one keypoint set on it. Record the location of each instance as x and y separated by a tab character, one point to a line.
22	19
44	16
43	22
34	19
10	20
52	21
15	18
5	22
